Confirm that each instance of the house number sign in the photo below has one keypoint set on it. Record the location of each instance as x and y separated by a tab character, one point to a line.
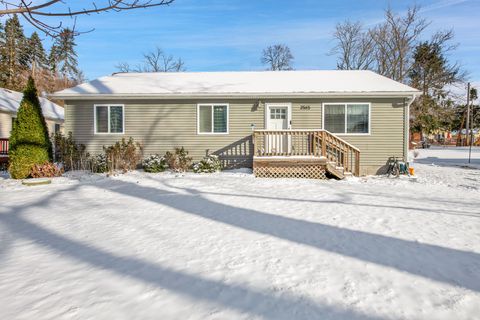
304	107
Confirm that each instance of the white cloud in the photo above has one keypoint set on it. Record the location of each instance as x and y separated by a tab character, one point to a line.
442	5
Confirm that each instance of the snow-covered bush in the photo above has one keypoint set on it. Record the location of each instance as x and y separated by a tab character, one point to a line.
178	161
99	163
154	163
210	163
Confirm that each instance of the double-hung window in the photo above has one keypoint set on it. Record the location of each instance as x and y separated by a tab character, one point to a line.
347	118
212	118
109	118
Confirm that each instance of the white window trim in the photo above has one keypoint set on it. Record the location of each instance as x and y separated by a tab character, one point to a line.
108	117
345	104
269	105
211	105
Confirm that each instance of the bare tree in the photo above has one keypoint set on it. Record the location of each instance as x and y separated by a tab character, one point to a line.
395	40
158	61
123	67
277	57
386	48
154	61
36	13
354	47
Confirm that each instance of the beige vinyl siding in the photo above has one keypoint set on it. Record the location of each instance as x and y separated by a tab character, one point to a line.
310	117
387	135
162	125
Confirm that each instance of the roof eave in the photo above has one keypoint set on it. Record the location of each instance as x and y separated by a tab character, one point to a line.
252	95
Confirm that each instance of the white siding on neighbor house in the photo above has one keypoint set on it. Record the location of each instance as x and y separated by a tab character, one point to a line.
5	124
51	126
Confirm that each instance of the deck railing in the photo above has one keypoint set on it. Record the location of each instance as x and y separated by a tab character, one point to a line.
310	143
3	146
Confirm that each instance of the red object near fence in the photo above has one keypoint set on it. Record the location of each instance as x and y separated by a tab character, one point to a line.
3	146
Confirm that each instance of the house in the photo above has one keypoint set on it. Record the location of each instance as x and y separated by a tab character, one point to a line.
9	104
279	122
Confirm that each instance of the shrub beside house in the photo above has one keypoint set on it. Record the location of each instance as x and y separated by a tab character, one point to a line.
29	141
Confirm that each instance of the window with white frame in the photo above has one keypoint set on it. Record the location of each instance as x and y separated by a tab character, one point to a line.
109	118
212	118
347	118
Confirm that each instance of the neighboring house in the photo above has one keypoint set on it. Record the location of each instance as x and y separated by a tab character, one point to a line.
300	123
9	104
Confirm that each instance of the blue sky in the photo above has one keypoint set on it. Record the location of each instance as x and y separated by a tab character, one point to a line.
215	35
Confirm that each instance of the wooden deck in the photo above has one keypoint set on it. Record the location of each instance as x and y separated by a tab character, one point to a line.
315	154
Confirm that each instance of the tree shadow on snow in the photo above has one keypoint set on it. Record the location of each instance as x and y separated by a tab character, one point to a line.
447	265
348	202
268	305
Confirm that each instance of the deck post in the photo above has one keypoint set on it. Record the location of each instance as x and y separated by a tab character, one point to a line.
324	143
357	163
314	142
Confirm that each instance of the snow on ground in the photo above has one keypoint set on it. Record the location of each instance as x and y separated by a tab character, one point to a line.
229	246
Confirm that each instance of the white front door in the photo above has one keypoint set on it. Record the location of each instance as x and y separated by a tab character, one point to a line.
277	119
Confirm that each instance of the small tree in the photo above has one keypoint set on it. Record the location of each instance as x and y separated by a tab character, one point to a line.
29	141
154	61
277	57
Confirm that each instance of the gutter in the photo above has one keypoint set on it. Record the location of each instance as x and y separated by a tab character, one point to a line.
141	96
407	125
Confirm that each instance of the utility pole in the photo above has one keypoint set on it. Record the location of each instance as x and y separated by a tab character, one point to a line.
471	130
467	127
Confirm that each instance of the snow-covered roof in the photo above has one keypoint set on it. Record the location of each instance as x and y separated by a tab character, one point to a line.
239	84
10	102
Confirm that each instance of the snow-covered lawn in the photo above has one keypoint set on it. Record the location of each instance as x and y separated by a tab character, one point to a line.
229	246
450	156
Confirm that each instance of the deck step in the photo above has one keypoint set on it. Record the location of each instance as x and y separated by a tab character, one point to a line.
332	169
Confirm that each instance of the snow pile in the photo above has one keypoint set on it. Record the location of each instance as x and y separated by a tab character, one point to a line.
230	246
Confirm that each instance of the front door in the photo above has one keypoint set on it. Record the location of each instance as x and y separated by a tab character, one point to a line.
278	119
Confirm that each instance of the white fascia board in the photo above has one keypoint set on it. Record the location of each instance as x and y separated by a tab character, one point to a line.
233	95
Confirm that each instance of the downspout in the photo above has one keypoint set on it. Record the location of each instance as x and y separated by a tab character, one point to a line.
406	145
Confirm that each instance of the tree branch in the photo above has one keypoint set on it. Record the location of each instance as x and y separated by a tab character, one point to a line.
32	13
